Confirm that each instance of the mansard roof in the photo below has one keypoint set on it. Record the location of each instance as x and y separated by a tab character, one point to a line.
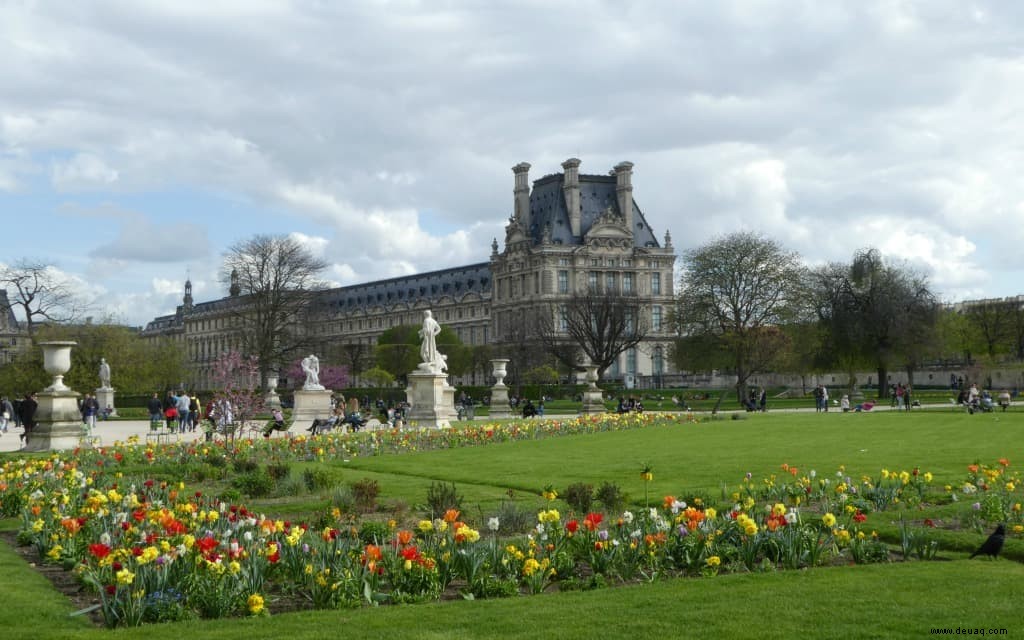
427	287
597	194
7	318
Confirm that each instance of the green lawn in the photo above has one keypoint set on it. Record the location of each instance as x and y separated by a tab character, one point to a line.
888	600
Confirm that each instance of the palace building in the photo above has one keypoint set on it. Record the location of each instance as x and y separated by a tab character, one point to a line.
570	232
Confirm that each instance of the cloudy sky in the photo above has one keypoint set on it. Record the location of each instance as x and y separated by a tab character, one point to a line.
139	140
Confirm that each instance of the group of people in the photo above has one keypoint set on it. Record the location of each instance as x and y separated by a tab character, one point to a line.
900	395
179	411
981	400
629	405
757	400
21	412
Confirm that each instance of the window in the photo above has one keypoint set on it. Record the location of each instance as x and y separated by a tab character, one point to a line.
627	283
595	262
630	322
563	262
563	318
658	361
656	318
609	282
656	284
592	280
563	282
631	361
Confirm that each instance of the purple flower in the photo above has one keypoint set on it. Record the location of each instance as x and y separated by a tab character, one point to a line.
976	506
305	548
683	531
603	534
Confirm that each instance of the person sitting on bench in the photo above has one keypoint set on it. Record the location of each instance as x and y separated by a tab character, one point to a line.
322	425
277	425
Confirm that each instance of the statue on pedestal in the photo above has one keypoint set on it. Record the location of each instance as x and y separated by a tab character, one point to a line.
432	359
104	374
311	367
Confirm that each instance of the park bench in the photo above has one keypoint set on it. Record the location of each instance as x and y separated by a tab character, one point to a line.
163	436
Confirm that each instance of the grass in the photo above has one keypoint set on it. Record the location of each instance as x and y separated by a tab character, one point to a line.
890	600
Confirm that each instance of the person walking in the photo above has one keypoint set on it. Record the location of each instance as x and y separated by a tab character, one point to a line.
28	414
90	409
6	414
183	404
155	411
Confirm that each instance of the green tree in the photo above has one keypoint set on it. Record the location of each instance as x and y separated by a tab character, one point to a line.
875	312
734	294
398	351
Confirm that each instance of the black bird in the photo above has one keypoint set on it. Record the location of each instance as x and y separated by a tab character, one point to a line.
994	544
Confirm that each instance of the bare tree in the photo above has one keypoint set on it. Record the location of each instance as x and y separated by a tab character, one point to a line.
275	279
600	324
357	356
735	292
41	293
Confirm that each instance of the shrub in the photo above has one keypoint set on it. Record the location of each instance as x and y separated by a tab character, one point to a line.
580	496
442	497
611	496
317	479
245	466
279	470
257	484
374	532
515	519
343	498
215	459
291	486
230	496
365	492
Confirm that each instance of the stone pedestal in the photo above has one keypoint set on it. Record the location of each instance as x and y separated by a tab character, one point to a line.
499	392
105	398
58	422
499	402
593	399
310	406
431	398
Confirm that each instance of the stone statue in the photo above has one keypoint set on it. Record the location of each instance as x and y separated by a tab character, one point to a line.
432	359
104	374
311	366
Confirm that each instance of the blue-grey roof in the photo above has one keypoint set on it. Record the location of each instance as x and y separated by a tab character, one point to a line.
455	282
597	193
7	311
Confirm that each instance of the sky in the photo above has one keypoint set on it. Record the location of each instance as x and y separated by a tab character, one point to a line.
140	140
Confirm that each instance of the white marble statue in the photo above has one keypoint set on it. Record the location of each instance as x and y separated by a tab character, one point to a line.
104	374
311	366
432	359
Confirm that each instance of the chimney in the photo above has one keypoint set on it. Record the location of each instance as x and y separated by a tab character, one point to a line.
522	194
624	191
571	189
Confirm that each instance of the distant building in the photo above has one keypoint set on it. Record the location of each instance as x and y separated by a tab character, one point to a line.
570	232
14	338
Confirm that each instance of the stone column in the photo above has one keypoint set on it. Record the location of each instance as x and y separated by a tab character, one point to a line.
499	392
624	192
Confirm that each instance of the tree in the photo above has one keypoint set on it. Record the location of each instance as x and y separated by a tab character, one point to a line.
276	278
601	324
357	356
398	351
993	321
236	382
41	293
876	313
735	292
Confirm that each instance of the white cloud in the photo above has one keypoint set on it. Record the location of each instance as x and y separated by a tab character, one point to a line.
82	171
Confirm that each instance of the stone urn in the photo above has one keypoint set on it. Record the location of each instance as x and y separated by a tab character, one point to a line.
590	375
271	382
498	371
57	362
593	401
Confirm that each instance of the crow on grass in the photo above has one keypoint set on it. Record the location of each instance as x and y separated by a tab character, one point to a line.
994	544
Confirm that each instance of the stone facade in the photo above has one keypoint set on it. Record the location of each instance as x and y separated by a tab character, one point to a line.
569	233
14	338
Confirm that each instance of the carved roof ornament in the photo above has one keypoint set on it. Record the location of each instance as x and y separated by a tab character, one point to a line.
546	234
494	247
514	232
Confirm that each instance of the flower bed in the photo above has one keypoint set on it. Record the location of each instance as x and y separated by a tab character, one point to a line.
156	551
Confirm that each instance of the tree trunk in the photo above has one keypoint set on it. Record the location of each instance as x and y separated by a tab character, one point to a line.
883	382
